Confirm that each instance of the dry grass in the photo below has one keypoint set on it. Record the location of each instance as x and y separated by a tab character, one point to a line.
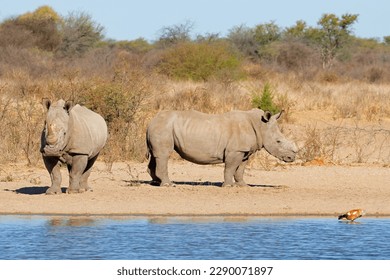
339	123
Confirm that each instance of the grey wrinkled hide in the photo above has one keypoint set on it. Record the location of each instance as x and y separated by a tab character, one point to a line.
73	135
228	138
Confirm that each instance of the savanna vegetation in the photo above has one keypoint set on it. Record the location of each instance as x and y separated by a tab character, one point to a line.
333	86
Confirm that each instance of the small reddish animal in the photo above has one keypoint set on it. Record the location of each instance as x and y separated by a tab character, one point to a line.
352	214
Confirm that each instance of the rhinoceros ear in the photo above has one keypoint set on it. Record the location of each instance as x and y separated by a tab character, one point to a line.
46	103
277	116
266	117
68	105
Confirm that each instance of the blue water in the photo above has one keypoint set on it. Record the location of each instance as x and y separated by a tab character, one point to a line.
41	237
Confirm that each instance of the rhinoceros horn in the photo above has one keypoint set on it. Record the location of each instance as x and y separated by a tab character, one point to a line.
51	137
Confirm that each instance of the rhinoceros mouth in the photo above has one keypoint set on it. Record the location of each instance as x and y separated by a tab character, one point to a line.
288	158
51	151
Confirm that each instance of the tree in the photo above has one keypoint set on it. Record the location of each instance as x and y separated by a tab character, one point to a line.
386	39
332	35
79	34
296	31
171	35
41	13
33	29
264	35
267	33
243	38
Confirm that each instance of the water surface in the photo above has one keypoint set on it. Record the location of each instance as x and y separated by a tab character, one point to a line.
42	237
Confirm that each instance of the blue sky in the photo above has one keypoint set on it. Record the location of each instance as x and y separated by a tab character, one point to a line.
128	20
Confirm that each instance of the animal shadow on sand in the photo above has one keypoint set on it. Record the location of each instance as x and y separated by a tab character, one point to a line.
192	183
34	190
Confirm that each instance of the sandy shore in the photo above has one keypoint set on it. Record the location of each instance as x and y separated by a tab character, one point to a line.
126	190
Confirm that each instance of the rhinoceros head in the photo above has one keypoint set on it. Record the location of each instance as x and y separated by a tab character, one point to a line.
274	141
55	134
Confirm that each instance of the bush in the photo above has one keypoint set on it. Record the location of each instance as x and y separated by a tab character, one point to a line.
243	38
265	101
43	24
15	35
37	29
375	74
79	34
120	101
139	45
296	56
16	60
199	61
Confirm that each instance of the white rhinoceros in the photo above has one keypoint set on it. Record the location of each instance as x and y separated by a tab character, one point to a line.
201	138
73	135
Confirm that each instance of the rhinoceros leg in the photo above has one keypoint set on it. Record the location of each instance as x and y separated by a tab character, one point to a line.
159	155
152	170
239	175
84	177
162	170
232	163
79	164
53	166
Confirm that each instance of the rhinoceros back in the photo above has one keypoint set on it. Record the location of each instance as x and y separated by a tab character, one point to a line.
201	138
88	132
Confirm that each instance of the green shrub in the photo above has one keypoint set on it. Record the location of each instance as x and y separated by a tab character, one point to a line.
265	101
199	61
139	45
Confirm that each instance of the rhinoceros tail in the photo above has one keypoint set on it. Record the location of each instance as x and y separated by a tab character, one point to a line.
147	154
148	148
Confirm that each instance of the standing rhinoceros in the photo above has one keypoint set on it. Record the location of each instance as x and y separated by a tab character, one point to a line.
73	135
207	139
